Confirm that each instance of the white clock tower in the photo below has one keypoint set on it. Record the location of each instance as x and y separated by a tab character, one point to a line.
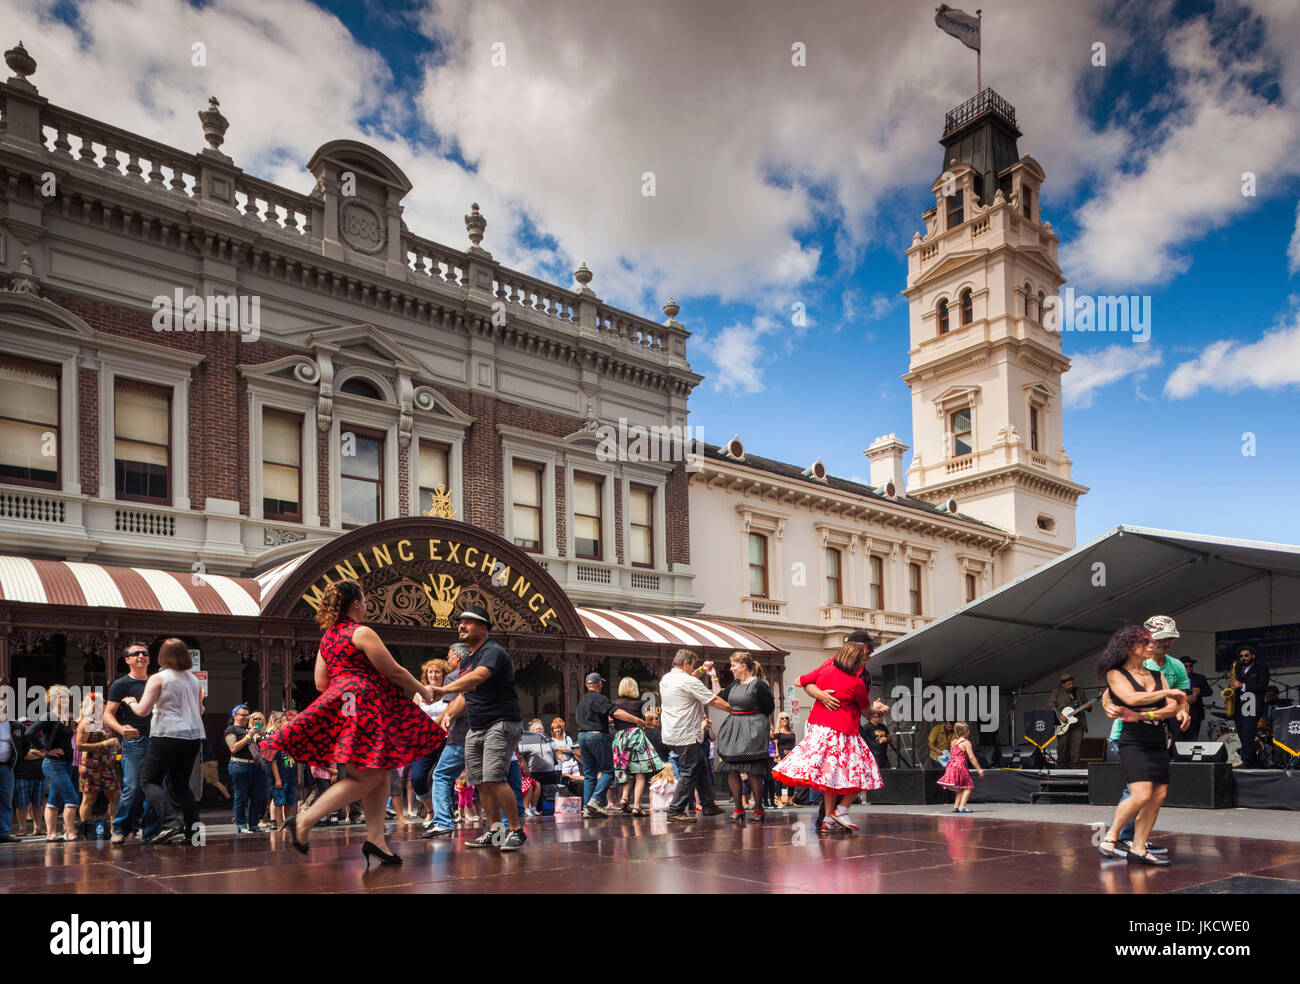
985	374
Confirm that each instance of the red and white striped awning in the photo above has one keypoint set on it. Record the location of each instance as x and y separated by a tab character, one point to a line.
58	582
673	630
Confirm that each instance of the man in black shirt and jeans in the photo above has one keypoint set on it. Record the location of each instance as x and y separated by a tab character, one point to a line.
487	679
119	719
594	712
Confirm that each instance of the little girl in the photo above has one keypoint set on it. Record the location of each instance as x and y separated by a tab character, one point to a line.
957	776
465	799
662	789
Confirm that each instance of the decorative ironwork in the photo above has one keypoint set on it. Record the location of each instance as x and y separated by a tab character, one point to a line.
441	507
987	101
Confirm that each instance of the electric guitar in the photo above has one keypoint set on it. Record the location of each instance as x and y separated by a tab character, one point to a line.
1070	713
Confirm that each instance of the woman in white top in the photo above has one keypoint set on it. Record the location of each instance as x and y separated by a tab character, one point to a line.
173	700
432	673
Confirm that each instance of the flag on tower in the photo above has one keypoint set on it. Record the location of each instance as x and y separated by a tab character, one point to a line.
959	24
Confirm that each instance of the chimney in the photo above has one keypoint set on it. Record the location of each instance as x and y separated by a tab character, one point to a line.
886	457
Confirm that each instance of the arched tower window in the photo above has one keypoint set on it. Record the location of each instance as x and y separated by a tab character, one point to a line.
942	313
1041	298
967	308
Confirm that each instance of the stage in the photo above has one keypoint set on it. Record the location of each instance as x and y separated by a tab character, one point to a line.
896	852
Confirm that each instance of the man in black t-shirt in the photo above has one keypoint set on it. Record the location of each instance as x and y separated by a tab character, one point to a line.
487	679
592	717
120	720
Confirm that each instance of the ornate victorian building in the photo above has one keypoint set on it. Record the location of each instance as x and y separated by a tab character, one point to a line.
208	377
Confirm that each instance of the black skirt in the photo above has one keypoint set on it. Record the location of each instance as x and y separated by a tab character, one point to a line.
1143	753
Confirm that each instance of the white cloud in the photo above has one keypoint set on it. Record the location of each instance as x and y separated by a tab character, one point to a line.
1270	362
1138	226
1293	250
875	308
1092	371
736	351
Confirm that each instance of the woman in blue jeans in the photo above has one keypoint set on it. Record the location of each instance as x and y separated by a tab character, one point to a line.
245	771
54	738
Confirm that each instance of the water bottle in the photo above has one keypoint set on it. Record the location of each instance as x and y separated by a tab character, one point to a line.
99	833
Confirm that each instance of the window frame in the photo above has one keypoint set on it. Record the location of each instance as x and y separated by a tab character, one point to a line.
372	433
57	369
539	469
301	418
170	392
767	584
441	446
942	316
651	490
959	210
966	307
876	597
837	580
574	515
952	430
971	583
915	588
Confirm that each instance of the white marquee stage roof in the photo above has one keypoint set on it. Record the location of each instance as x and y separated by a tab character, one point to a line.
1054	616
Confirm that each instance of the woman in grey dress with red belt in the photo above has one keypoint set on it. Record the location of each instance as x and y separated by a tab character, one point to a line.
743	737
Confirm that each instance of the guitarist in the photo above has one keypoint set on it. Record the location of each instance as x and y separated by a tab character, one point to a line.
1069	744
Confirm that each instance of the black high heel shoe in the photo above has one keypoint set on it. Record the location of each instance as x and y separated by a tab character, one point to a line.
301	846
1148	858
368	851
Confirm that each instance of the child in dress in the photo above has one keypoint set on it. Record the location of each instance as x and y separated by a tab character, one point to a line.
465	800
957	776
662	789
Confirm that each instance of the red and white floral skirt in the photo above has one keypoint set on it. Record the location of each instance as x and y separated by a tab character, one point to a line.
831	761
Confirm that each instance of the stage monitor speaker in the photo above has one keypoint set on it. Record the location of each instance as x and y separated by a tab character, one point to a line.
1023	757
1039	726
893	675
1286	729
1200	751
989	755
1092	750
1200	785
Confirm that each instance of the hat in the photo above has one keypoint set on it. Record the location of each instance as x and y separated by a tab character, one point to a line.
1187	660
1066	676
476	612
594	678
1161	627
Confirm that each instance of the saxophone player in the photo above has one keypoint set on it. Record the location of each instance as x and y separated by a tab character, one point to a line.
1250	680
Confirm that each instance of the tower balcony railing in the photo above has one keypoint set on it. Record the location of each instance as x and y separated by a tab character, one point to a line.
986	101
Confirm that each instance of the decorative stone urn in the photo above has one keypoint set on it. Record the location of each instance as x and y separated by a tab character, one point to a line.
474	225
20	62
214	124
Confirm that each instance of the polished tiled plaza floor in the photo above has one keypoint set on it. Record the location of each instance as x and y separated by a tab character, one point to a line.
893	853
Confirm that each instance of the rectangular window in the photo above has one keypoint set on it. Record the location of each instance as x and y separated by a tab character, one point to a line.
877	593
362	473
586	516
914	587
526	510
961	432
757	565
955	210
1028	194
1033	428
640	503
834	596
282	465
970	587
29	423
433	472
142	419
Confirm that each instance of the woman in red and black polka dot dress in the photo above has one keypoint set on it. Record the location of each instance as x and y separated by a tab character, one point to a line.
362	718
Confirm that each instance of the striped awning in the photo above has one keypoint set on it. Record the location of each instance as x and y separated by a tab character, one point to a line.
603	623
57	582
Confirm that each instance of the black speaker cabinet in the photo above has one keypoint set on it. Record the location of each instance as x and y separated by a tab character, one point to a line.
891	675
1195	785
906	787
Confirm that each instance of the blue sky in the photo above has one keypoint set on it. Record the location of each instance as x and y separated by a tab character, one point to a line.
779	185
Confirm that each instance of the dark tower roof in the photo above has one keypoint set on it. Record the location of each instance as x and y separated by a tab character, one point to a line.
982	132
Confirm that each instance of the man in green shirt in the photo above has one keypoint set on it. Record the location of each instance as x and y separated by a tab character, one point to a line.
1164	632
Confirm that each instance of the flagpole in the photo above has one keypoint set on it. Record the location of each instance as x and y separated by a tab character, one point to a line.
979	87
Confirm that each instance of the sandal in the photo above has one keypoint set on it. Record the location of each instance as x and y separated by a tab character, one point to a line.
1114	854
623	805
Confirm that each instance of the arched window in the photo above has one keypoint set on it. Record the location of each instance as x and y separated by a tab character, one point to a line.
1029	301
359	387
1041	298
942	312
967	308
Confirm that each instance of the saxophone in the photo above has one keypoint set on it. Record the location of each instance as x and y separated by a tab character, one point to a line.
1230	693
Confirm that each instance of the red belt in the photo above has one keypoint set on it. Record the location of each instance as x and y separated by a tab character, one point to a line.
744	712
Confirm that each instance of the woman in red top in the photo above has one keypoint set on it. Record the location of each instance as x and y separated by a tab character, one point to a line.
362	718
832	756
